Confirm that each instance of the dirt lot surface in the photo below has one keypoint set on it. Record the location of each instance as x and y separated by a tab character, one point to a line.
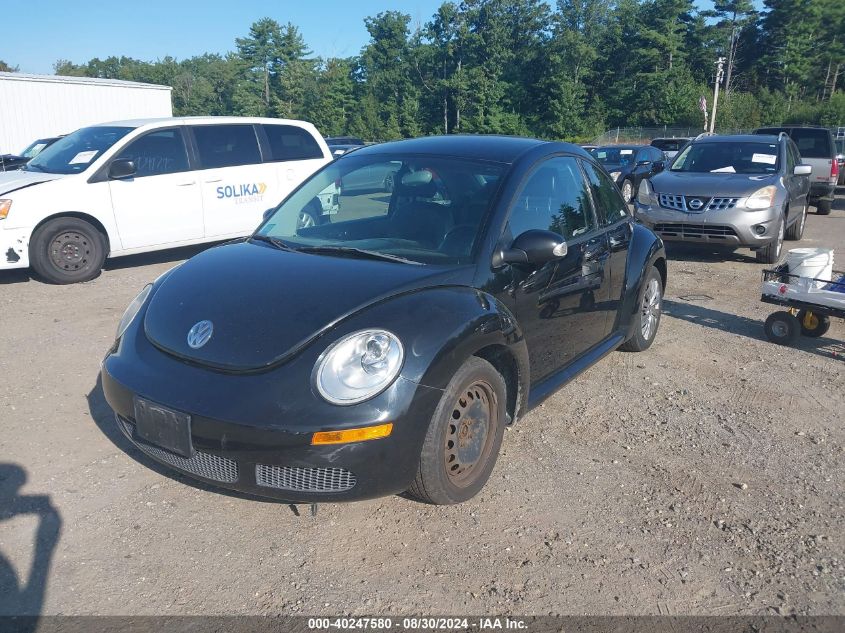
701	477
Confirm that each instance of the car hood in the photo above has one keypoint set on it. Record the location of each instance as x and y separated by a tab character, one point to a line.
14	180
694	184
266	304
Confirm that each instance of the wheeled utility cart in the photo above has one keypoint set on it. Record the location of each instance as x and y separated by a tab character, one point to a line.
810	304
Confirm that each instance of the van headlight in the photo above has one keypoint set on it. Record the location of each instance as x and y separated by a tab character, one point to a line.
358	366
132	310
762	198
646	195
5	207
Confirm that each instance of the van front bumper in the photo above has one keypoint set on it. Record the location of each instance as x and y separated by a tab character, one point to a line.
736	227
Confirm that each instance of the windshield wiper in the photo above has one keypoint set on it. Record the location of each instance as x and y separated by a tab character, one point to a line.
356	252
275	241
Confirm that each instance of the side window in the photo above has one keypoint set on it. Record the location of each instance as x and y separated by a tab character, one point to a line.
156	153
657	155
610	207
226	145
288	142
554	198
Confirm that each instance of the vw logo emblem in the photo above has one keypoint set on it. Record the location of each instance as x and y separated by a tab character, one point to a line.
695	204
200	334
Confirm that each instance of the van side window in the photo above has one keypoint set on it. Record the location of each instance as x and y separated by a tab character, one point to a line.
226	145
157	153
288	142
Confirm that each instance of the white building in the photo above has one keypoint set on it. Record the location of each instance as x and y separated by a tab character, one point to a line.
39	106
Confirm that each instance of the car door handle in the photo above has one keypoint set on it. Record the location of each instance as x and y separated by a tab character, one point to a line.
215	180
187	183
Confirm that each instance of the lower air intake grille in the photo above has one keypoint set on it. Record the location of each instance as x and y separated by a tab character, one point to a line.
304	479
201	464
712	231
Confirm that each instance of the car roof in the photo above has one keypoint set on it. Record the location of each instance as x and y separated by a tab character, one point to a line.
738	138
499	149
200	120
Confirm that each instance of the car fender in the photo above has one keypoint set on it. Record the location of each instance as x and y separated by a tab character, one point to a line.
646	250
440	328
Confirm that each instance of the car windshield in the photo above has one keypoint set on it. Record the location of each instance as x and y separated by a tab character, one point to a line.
728	158
668	144
35	148
73	153
614	155
426	209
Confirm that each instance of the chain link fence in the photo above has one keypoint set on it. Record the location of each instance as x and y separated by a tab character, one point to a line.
644	135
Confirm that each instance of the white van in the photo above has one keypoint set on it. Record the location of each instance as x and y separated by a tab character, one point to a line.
134	186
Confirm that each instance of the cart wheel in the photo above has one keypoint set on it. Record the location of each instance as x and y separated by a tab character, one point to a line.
813	324
782	328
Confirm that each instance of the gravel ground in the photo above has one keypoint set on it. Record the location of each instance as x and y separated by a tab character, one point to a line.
701	477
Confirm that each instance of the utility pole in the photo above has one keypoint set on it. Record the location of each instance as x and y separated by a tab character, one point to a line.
720	72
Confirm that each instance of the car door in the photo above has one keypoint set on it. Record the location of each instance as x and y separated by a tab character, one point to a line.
237	187
294	155
798	186
614	218
161	203
560	305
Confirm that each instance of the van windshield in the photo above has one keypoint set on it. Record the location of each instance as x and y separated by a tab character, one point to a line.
75	152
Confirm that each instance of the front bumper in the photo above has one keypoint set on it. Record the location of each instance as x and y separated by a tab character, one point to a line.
729	227
14	248
252	433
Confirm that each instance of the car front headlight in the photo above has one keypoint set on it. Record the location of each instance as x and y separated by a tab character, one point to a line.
646	195
358	366
615	175
762	198
132	310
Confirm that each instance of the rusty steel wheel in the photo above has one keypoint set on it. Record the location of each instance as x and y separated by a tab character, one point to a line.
469	440
463	439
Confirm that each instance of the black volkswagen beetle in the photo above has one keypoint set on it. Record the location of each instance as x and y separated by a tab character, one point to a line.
386	350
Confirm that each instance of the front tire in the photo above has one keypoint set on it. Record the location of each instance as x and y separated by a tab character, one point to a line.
770	253
464	436
796	231
67	251
628	190
647	318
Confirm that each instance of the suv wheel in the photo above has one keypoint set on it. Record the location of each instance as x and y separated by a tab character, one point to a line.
770	253
823	207
796	231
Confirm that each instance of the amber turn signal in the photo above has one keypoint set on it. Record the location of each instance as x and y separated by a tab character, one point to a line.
352	435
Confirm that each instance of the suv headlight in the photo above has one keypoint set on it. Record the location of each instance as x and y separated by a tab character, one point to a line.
762	198
5	207
358	366
132	310
646	195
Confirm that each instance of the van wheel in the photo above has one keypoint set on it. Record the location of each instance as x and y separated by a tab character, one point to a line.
67	251
823	207
464	436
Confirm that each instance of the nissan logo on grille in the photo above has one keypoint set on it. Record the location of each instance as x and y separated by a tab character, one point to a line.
695	204
200	334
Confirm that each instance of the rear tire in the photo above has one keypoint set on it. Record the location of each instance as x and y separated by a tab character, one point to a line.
464	436
796	231
823	207
647	318
67	251
782	328
812	324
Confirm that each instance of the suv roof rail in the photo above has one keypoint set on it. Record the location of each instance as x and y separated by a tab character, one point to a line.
703	134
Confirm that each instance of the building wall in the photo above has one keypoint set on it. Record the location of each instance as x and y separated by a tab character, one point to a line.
34	107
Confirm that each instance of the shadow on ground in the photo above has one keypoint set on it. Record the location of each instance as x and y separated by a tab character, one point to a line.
750	328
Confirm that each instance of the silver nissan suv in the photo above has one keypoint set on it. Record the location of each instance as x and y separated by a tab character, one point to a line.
733	191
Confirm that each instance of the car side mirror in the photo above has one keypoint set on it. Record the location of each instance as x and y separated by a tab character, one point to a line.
122	168
534	247
803	170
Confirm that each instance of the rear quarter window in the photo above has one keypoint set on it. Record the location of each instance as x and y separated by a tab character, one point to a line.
813	143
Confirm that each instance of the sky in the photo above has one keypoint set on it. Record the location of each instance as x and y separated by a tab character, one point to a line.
37	33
